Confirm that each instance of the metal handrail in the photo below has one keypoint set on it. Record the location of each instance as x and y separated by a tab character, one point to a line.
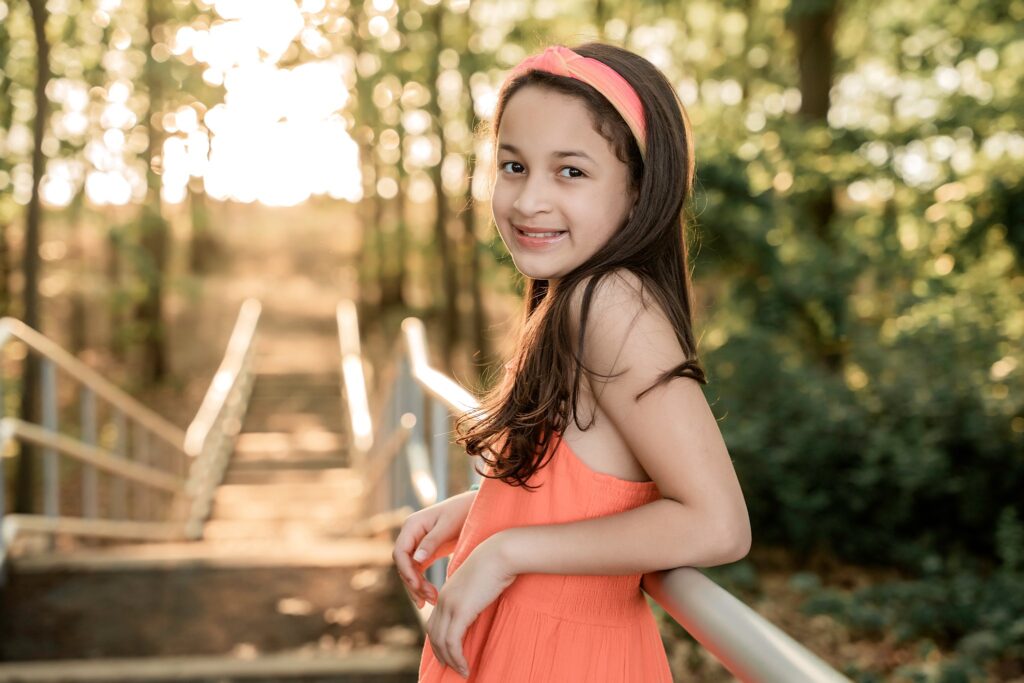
210	437
100	458
198	454
13	329
353	379
748	645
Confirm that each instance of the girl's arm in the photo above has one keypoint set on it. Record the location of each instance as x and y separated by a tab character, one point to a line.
702	518
663	534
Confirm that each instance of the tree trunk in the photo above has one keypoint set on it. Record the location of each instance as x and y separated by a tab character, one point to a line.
401	240
78	337
6	118
30	412
449	284
115	304
202	248
377	214
813	27
481	352
5	272
152	226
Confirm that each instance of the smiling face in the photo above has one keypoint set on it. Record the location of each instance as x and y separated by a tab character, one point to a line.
555	172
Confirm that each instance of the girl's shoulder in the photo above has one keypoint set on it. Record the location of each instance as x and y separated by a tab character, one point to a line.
624	325
616	295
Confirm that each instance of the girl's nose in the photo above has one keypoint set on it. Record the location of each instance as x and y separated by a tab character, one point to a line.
533	198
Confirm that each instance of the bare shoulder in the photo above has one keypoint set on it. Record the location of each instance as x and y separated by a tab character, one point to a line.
626	329
615	295
621	286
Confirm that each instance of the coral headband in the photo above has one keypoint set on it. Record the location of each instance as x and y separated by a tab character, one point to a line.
563	61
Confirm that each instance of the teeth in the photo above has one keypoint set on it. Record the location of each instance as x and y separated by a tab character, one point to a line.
540	234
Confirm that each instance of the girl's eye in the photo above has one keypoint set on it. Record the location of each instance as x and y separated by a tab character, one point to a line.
580	173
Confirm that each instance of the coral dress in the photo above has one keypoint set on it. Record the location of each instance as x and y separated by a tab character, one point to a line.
556	628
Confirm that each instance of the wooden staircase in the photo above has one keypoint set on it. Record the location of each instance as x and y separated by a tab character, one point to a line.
272	592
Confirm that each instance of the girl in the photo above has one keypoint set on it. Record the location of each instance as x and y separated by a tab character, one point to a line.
594	165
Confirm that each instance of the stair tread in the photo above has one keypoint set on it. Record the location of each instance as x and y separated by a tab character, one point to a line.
375	658
324	511
228	552
313	464
256	475
287	494
282	530
208	610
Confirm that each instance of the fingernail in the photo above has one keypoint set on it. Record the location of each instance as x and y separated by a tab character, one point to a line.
420	555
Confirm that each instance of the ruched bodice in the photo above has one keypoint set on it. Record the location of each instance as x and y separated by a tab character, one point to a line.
556	627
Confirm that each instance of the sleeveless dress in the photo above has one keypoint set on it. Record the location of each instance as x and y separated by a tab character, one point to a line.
556	628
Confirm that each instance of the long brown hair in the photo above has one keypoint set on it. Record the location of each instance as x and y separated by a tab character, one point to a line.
517	418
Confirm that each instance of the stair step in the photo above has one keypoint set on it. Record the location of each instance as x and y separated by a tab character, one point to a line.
299	396
330	388
272	441
291	492
324	410
289	379
336	462
297	455
277	445
294	454
293	421
285	530
266	474
379	664
175	610
289	384
317	512
341	552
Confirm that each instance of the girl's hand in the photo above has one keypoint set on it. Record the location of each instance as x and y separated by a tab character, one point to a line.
474	585
435	531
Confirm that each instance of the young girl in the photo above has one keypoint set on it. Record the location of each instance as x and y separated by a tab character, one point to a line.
594	163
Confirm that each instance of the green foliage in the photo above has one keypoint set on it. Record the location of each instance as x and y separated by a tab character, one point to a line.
867	367
978	619
910	450
868	370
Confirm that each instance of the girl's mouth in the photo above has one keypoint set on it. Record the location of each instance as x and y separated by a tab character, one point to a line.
539	238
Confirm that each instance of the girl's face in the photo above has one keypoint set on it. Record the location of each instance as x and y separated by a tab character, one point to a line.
555	173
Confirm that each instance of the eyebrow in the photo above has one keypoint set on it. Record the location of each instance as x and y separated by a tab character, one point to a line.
558	154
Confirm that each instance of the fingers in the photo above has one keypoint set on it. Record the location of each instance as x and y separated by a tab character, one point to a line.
426	593
445	635
425	589
419	543
407	537
434	637
412	579
411	574
456	630
417	598
423	593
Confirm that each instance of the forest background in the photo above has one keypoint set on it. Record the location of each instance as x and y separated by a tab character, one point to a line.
858	223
